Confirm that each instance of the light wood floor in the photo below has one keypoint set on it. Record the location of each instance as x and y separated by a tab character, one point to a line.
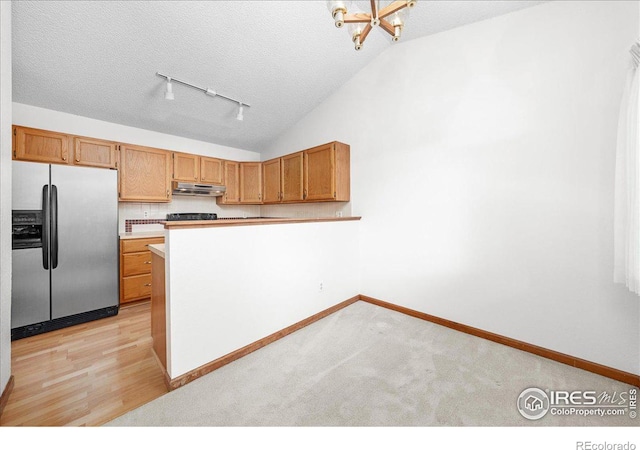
85	375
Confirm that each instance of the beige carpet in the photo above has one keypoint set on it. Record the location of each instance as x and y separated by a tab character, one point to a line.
369	366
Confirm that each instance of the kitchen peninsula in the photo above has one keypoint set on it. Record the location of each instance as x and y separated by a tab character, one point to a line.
222	289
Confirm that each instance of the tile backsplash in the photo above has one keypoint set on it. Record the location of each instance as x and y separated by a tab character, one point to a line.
149	213
320	209
159	211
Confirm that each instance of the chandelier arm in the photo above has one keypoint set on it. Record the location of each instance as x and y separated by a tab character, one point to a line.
357	18
386	26
374	9
364	33
390	9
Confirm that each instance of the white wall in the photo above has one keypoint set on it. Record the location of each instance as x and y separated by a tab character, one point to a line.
483	169
5	193
232	286
31	116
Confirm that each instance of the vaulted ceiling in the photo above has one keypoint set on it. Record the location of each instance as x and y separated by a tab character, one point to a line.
99	60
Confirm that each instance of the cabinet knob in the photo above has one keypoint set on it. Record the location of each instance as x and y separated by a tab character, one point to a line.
148	284
147	262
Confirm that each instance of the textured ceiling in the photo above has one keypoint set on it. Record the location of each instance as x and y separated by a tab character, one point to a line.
99	60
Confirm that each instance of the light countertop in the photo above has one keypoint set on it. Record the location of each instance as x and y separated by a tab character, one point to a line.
142	234
158	249
259	221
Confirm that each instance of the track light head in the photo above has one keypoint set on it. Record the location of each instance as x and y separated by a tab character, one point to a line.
240	116
168	94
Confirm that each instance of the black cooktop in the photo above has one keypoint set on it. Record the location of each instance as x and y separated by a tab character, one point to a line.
191	216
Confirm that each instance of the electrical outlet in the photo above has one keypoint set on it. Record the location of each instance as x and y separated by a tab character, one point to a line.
321	287
145	214
338	213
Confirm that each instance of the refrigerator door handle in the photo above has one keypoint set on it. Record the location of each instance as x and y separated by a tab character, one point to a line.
54	226
45	227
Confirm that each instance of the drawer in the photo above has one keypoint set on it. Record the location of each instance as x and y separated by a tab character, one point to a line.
138	286
136	263
138	245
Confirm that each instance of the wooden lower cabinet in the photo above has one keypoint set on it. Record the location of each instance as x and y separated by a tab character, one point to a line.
159	309
135	269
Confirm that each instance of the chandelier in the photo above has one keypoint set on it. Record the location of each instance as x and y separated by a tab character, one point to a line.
391	18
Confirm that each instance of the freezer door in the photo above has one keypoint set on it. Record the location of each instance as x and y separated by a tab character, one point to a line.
84	255
30	302
30	291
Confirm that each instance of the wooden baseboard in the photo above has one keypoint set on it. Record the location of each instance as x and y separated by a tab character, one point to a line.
167	378
4	398
599	369
224	360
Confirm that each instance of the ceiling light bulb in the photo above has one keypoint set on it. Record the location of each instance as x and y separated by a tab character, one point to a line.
338	9
398	20
397	30
356	41
240	116
168	95
355	30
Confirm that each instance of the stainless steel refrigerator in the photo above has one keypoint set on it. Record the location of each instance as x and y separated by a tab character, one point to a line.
65	246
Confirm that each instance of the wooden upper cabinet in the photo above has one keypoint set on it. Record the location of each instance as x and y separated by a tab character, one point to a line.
251	182
232	182
145	174
95	153
327	173
43	146
186	167
271	189
211	170
293	177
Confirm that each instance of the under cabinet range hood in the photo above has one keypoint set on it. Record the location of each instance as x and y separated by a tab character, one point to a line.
198	189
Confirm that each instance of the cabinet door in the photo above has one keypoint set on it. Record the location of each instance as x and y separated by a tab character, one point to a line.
145	174
40	145
136	263
135	288
232	182
271	181
251	182
95	153
319	173
186	167
211	170
292	177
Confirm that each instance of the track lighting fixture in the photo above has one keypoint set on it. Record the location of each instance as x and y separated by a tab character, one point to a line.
391	18
208	91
